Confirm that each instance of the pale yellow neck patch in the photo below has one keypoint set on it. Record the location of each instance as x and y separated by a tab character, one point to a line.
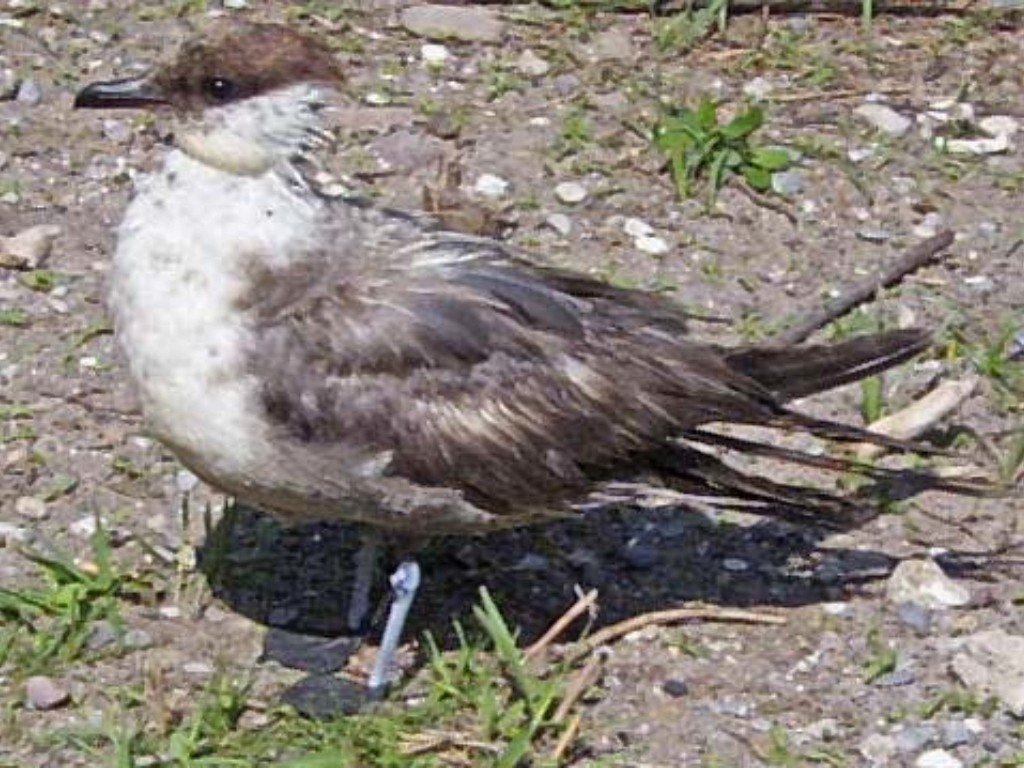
227	151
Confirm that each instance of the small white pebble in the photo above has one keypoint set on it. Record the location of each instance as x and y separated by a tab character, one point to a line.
30	507
836	609
571	192
735	564
377	99
999	125
561	223
491	186
434	54
637	227
84	527
653	245
12	534
937	758
44	693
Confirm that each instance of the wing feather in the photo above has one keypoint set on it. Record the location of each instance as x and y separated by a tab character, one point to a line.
513	383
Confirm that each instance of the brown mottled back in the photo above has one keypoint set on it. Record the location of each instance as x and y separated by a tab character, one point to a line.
236	60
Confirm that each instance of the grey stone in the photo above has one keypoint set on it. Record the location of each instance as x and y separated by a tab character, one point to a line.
914	738
956	734
885	119
571	192
117	131
937	758
915	616
873	234
923	582
447	22
788	183
999	125
561	223
566	85
12	534
759	88
136	639
311	653
675	687
490	186
30	248
44	693
878	749
651	244
735	564
532	65
31	507
733	707
102	635
637	227
825	729
613	44
434	54
640	555
323	697
29	92
930	224
895	679
992	662
9	83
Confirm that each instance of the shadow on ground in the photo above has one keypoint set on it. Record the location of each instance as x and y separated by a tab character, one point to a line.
300	578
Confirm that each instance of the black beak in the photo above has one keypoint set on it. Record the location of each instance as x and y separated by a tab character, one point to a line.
131	92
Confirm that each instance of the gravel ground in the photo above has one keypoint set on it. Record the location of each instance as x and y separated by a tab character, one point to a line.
521	100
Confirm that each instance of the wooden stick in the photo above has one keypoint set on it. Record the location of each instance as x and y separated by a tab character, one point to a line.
579	685
567	738
670	616
584	603
920	416
912	260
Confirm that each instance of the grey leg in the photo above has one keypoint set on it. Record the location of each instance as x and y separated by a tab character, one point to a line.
404	583
366	570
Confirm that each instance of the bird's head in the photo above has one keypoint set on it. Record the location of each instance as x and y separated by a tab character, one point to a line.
247	95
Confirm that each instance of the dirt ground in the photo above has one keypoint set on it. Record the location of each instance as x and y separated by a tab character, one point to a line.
708	693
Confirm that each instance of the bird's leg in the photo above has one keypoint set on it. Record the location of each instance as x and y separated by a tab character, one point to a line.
366	570
404	583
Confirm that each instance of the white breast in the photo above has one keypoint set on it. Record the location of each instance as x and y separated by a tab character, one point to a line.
186	255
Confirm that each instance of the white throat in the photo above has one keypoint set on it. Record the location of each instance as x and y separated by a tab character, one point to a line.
251	136
226	151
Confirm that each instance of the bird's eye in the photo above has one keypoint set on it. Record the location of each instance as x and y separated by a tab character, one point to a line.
220	89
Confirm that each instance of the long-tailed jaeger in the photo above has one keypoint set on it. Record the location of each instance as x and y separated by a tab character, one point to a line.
324	358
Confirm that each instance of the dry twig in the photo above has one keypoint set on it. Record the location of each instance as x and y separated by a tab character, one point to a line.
912	260
670	616
584	603
566	739
578	686
765	201
920	416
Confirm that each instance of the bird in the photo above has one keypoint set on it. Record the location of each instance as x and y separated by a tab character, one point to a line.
322	357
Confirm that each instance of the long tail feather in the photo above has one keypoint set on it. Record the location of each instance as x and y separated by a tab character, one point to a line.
690	470
921	479
791	372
